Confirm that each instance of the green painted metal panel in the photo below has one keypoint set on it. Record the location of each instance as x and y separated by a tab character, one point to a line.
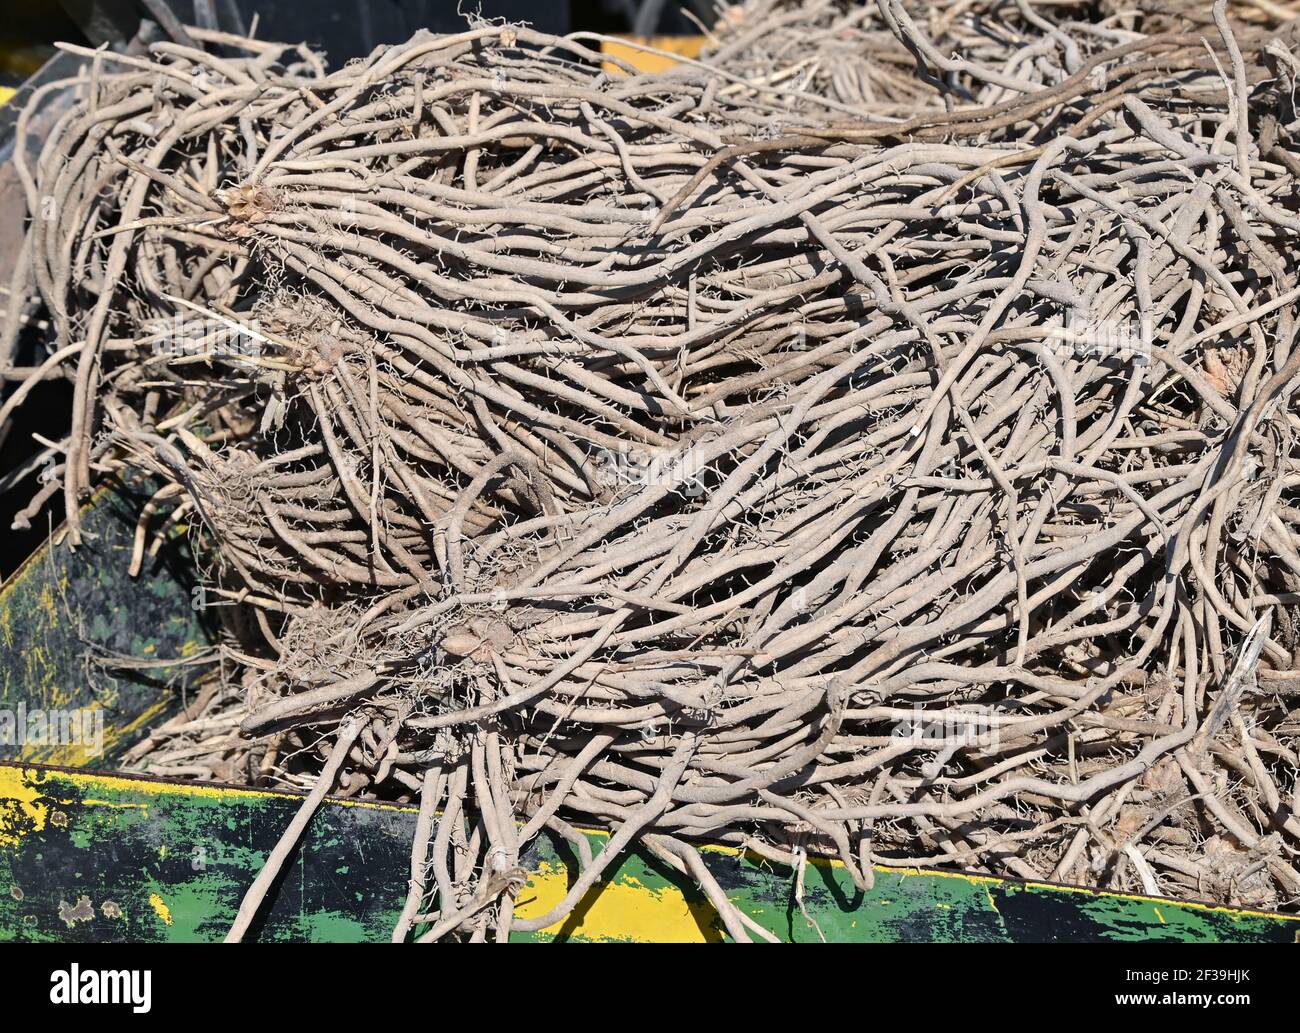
91	857
84	644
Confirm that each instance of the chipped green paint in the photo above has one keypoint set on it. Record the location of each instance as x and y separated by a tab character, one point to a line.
60	608
173	862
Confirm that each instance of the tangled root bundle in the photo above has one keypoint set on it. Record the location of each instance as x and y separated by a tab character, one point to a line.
692	461
886	57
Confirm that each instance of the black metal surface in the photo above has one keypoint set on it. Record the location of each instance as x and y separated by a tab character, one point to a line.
78	631
104	21
343	29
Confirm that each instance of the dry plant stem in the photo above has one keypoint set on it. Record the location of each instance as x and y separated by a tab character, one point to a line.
430	794
248	908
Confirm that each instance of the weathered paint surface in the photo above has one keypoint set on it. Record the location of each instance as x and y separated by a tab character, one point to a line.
60	609
94	857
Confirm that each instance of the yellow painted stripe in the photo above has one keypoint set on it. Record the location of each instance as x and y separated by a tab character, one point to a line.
624	909
21	809
640	52
6	93
160	906
12	775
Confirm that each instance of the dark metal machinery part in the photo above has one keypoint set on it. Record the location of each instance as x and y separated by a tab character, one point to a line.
344	29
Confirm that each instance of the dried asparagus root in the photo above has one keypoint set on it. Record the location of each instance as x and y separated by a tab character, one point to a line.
890	58
685	456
